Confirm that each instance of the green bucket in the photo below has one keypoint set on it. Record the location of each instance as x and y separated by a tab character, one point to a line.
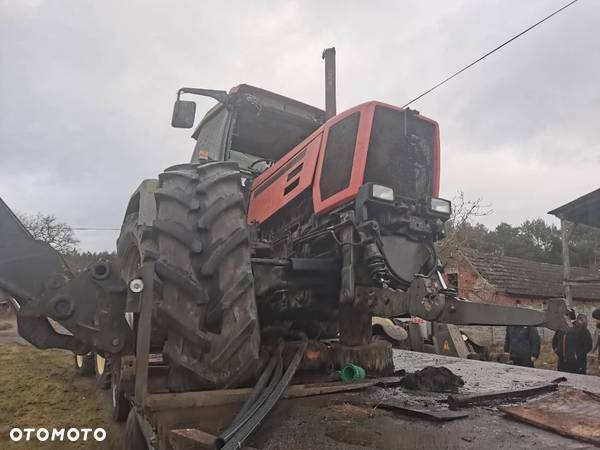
351	372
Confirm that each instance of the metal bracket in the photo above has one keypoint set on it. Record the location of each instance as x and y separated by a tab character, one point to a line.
144	329
347	278
428	301
425	299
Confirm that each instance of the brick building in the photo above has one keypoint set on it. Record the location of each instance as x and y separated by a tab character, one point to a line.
507	280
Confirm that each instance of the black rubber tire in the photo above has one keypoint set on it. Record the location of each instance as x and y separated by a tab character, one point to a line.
120	404
84	364
206	277
134	438
136	244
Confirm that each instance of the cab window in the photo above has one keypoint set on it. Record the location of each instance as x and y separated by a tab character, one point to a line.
211	135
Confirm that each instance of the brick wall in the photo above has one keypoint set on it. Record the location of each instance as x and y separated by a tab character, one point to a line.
475	288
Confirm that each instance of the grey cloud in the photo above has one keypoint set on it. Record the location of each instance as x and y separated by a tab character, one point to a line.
87	89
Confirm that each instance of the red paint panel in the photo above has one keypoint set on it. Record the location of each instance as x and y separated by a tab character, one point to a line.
359	161
360	157
283	182
269	189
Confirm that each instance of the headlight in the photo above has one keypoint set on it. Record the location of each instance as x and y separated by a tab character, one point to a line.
382	193
440	206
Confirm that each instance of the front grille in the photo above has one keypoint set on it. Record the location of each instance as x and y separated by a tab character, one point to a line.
400	152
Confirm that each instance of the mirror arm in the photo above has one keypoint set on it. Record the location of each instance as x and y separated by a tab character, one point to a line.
220	96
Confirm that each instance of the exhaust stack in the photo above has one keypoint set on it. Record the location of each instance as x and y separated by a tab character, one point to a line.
330	101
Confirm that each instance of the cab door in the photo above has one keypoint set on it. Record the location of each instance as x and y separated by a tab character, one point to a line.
213	134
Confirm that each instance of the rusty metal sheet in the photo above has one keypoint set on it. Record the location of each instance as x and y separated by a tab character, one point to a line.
436	414
571	412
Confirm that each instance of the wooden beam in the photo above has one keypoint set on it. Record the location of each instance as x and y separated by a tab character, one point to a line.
158	402
144	330
457	400
565	234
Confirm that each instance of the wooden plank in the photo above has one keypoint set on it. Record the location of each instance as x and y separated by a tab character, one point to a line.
191	438
158	402
457	400
570	412
143	334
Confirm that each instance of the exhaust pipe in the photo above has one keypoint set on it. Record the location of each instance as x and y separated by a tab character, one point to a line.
329	57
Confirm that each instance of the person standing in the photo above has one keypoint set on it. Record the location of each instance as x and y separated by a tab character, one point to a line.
596	339
572	346
523	344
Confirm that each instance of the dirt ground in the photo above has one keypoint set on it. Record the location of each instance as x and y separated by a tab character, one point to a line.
41	389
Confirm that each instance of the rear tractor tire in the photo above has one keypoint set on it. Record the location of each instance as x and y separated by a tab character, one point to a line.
207	288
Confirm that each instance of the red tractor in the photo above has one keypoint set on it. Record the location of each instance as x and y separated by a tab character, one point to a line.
289	221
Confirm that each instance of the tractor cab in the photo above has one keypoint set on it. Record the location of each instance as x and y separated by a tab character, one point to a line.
250	126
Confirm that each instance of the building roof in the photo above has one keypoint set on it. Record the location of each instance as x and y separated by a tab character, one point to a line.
518	276
584	210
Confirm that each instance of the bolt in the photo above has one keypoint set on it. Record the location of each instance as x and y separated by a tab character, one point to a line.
136	285
452	308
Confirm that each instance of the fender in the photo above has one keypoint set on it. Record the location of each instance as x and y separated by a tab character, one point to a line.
143	203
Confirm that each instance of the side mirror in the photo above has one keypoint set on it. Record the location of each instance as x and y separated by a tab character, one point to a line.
184	113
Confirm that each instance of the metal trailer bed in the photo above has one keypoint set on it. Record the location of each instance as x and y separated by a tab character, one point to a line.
351	420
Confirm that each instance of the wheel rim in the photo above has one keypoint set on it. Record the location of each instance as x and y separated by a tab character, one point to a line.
113	390
100	364
79	360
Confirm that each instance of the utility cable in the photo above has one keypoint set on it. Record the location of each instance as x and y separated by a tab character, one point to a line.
489	53
94	229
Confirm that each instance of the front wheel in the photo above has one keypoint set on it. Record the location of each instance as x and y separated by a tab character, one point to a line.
207	287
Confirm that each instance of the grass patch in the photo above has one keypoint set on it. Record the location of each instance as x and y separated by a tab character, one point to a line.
41	389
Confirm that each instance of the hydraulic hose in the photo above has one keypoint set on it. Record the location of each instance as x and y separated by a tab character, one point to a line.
255	419
260	385
250	409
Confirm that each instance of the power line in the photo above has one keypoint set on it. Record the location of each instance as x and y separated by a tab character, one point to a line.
489	53
94	229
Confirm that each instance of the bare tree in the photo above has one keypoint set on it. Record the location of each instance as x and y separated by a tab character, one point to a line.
461	223
48	229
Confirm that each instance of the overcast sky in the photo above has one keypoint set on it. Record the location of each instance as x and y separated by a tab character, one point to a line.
87	89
